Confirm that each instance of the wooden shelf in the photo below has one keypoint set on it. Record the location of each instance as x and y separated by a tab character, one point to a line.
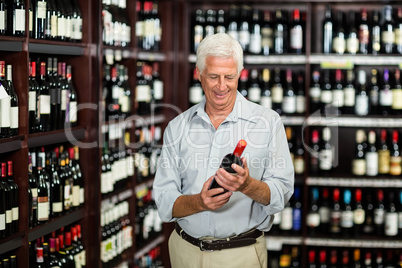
10	46
144	250
11	243
120	195
57	136
355	182
354	122
275	242
55	224
11	144
354	243
59	48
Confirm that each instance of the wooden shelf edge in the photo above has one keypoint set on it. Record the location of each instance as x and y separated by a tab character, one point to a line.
149	246
355	243
11	46
11	144
354	182
58	136
56	224
11	244
56	48
120	195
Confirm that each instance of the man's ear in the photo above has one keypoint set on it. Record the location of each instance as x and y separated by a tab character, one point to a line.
198	73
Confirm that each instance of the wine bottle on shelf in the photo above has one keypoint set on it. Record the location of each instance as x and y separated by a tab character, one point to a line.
33	184
374	93
77	168
44	101
32	99
396	93
352	41
9	204
254	89
244	27
65	179
300	95
267	34
375	43
296	212
266	96
358	213
63	87
43	191
3	17
328	31
296	33
368	225
14	118
210	22
61	21
326	93
350	93
385	94
384	154
5	103
229	159
387	31
53	20
233	23
364	32
143	89
76	179
255	45
280	33
379	213
40	19
220	22
3	208
157	87
243	83
315	92
71	111
198	28
347	214
289	96
371	155
277	92
391	215
54	260
336	213
15	196
325	211
359	167
17	13
326	152
338	93
395	168
313	216
55	187
362	102
195	91
76	22
339	37
314	155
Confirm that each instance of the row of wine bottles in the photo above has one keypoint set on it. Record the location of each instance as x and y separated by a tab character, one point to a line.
56	184
260	32
116	25
374	157
356	92
117	166
151	259
376	31
148	27
147	156
47	19
296	149
345	212
148	225
8	260
52	99
117	232
9	120
332	257
9	200
62	248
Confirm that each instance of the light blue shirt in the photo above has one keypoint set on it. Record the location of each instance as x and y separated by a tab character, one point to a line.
192	152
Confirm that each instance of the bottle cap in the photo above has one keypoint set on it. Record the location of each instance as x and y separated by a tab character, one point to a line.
240	148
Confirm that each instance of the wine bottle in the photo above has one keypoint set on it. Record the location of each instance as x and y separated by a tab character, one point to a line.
338	93
254	89
326	152
54	260
385	95
195	91
313	216
368	225
33	184
339	38
352	41
326	93
374	93
395	168
364	32
76	180
54	20
44	101
233	23
387	31
280	33
243	83
15	196
62	84
3	210
289	96
210	22
325	211
40	18
61	21
72	112
244	27
358	213
230	159
76	23
336	213
350	93
391	215
328	31
8	200
383	154
255	45
55	187
18	18
14	118
371	155
32	98
296	211
157	87
266	96
198	28
5	104
267	34
299	163
397	93
347	214
300	94
296	33
220	22
143	89
379	213
399	198
362	101
375	43
315	92
3	17
311	259
314	155
65	180
359	161
43	191
277	92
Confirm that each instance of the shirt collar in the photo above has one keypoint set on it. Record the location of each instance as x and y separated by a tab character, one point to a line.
242	109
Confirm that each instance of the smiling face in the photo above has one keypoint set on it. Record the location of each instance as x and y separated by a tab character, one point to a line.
219	81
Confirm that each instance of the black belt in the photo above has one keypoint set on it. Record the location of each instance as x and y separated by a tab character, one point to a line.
242	240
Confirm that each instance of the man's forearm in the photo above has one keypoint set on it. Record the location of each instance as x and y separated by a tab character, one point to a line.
186	205
258	191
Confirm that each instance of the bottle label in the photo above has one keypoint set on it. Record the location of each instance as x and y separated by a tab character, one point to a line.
158	90
32	101
53	26
325	159
5	108
385	97
266	102
195	94
76	195
2	222
15	211
143	93
359	216
338	97
233	34
34	198
254	94
82	195
398	36
388	37
2	20
287	221
379	216
339	45
44	104
43	208
300	104
267	37
397	99
255	44
383	161
124	103
277	94
9	216
289	104
299	165
391	224
352	44
244	38
209	30
61	27
41	10
364	34
374	98
325	214
326	96
315	94
73	111
349	96
67	189
362	105
347	219
359	167
395	168
335	221
372	163
296	37
313	220
57	207
19	20
139	25
14	118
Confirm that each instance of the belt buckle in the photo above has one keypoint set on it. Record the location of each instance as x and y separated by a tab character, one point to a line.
202	247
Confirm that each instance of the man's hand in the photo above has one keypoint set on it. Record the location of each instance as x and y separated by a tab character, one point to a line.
214	198
234	183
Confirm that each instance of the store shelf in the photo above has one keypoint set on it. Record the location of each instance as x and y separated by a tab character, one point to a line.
11	144
293	120
118	196
275	243
56	224
350	60
11	46
346	121
354	182
149	246
354	243
151	56
57	49
11	243
57	136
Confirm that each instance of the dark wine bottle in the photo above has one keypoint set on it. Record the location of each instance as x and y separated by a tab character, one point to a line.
289	95
374	93
395	168
387	31
40	18
15	196
8	199
18	18
267	34
375	34
391	215
33	184
244	27
3	208
324	211
32	98
384	154
62	84
56	188
14	119
358	213
254	88
5	104
336	213
296	33
44	101
280	33
243	83
195	91
198	28
43	191
339	38
313	216
3	17
71	112
364	32
359	161
379	213
362	103
397	93
277	92
328	31
255	33
230	159
347	214
385	94
326	152
352	41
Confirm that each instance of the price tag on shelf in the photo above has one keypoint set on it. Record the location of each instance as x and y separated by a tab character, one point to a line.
337	64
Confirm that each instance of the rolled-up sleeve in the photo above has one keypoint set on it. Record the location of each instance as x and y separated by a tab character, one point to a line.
279	171
167	183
